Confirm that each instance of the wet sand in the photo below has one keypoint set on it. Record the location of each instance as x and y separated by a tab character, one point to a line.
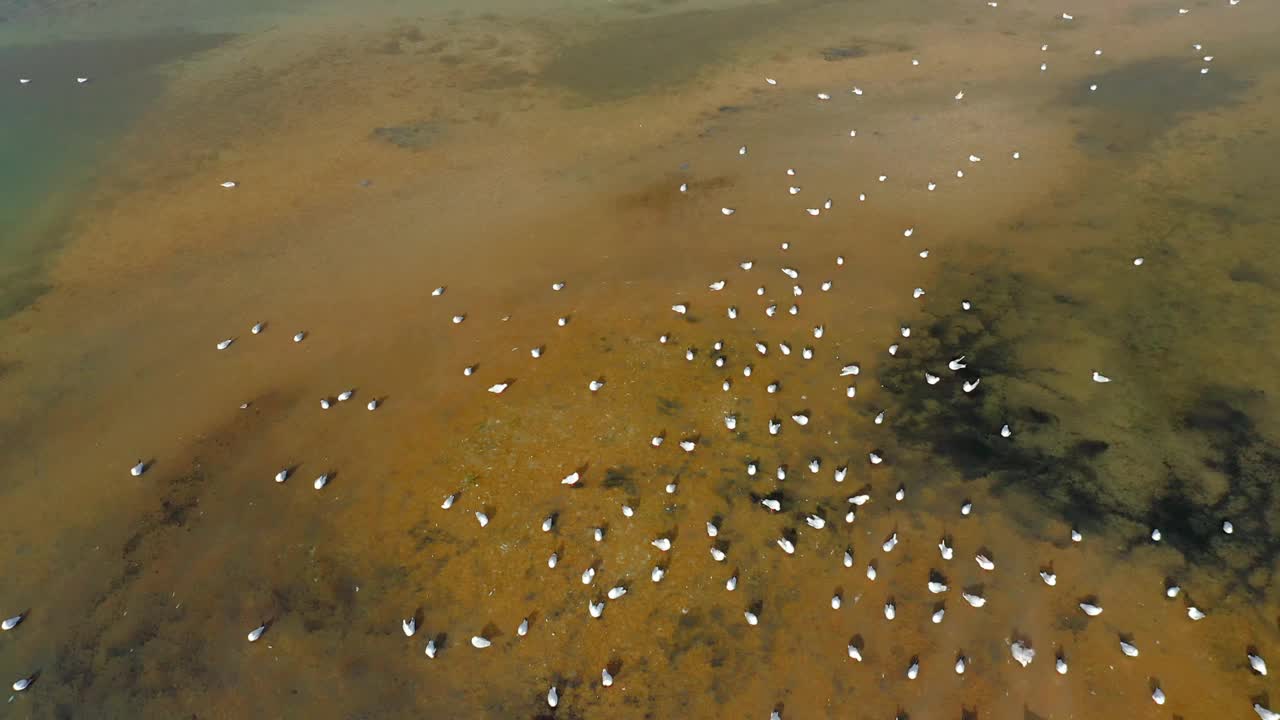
498	163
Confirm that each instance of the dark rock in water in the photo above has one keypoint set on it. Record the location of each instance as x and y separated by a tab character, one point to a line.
411	136
843	53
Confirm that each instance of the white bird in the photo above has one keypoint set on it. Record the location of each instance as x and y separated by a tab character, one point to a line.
913	671
717	285
875	458
656	440
523	629
746	265
957	364
606	679
965	305
320	482
850	370
373	404
871	571
1065	16
905	330
850	391
917	293
663	544
1227	527
1061	665
598	534
1195	613
730	421
21	684
932	186
893	349
774	426
984	562
771	81
1005	431
1076	536
848	558
742	150
1021	653
826	285
800	419
1155	535
1049	578
966	508
627	511
256	633
553	561
960	665
1100	378
1255	661
225	183
535	352
1128	649
482	518
733	312
663	339
938	615
224	344
596	609
945	549
553	697
257	328
931	378
438	291
815	522
814	465
889	544
974	599
11	623
409	626
448	502
900	494
345	395
772	504
1263	713
855	653
960	95
841	472
731	584
657	574
860	499
823	96
936	587
751	618
856	90
1172	591
727	211
908	232
717	554
688	445
680	308
595	385
497	388
138	468
890	610
299	336
970	386
787	546
1090	609
282	475
431	649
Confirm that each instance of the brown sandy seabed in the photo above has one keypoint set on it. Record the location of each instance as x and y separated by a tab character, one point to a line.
141	590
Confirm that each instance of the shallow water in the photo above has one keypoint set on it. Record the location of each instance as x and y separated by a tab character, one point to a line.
498	149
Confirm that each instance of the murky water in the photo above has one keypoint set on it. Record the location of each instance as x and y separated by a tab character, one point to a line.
496	149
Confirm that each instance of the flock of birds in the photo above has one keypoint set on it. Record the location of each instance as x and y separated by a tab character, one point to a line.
1021	649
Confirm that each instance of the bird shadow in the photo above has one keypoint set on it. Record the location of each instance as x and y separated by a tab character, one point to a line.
492	632
985	551
614	666
490	511
441	640
969	713
1153	684
419	616
857	642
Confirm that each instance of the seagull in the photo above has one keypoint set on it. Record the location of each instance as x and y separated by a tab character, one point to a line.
1049	578
960	95
438	291
969	387
871	571
731	584
1023	654
596	609
224	344
973	599
772	504
815	522
841	472
21	684
1172	591
889	544
730	421
787	546
482	518
1005	431
913	671
960	665
1227	527
497	389
917	293
890	610
1090	609
524	628
553	560
11	623
225	183
571	479
1061	664
256	633
727	211
595	385
966	508
848	558
409	626
717	285
448	502
321	481
850	370
373	404
1065	16
1076	536
1100	378
875	459
553	698
746	265
936	587
680	308
299	336
860	499
901	493
606	679
431	649
282	475
957	364
800	419
984	562
893	349
945	549
138	469
663	544
1128	649
931	378
345	395
751	618
1155	535
1255	661
854	652
774	426
1263	712
938	615
1195	613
